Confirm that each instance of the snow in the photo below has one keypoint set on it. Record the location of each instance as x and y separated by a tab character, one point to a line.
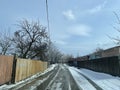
23	82
56	85
80	80
105	81
34	86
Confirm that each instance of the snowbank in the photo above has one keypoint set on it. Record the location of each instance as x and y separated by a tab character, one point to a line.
80	80
105	81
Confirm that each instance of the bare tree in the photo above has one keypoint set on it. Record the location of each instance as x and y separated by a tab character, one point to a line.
117	28
30	40
98	49
54	54
5	43
66	58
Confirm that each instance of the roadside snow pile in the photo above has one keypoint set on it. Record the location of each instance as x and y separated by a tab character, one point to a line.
23	82
105	81
81	81
51	67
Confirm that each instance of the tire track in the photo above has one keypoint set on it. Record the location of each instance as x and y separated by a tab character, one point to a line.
63	80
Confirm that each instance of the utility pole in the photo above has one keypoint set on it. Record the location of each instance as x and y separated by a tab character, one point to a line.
47	12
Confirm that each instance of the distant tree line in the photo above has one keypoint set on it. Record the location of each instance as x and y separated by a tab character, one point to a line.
30	40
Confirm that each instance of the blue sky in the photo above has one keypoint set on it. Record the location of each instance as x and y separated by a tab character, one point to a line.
77	27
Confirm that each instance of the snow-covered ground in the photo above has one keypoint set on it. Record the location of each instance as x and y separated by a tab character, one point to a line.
65	78
23	82
62	80
55	85
80	80
105	81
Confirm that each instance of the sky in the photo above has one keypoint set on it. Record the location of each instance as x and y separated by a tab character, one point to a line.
77	27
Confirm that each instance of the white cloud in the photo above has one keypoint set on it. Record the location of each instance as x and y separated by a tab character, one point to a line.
69	15
64	36
98	8
80	30
61	42
60	38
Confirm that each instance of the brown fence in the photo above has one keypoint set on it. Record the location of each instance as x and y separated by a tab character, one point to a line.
6	63
16	69
26	68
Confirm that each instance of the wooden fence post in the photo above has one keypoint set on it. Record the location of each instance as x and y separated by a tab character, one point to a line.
14	69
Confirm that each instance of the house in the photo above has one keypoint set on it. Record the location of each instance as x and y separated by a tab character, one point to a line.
114	51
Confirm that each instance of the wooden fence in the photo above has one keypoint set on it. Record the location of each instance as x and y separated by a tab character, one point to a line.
15	69
26	68
6	63
110	65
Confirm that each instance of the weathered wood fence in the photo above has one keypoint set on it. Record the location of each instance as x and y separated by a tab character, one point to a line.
15	69
26	68
110	65
6	63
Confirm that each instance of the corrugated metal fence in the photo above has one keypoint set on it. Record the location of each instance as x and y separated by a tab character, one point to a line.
16	69
110	65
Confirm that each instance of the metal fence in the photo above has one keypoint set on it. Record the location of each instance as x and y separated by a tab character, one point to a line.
14	69
110	65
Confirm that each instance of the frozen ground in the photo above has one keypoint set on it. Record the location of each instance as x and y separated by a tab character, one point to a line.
82	82
102	80
63	80
63	77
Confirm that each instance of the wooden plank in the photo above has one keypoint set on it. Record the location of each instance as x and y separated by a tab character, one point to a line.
6	63
26	68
